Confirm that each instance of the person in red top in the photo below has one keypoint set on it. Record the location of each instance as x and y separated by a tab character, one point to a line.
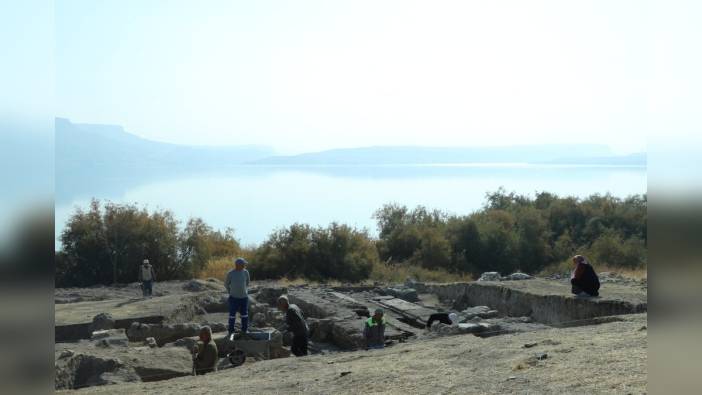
584	280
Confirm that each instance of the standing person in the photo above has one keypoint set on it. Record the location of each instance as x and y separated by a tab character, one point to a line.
205	354
147	278
584	280
444	318
295	323
236	283
374	330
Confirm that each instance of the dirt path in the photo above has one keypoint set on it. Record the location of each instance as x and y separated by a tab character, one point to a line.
606	358
126	291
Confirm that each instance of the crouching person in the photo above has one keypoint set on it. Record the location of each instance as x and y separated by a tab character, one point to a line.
205	356
584	280
444	318
374	330
295	323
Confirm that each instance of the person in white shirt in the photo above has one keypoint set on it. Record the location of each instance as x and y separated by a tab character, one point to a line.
147	278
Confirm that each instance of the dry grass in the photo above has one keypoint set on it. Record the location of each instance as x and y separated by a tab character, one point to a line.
291	282
638	273
399	273
218	268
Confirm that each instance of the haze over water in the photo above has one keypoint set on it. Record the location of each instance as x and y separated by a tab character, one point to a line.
255	200
303	77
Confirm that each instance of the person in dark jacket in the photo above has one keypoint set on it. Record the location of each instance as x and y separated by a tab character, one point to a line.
584	280
374	330
205	354
296	324
444	318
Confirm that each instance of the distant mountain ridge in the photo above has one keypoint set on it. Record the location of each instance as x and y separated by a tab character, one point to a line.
107	158
80	145
110	150
586	154
635	159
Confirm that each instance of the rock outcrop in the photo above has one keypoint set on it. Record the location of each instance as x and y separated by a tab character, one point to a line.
495	276
517	276
490	276
85	365
477	311
545	301
74	321
202	286
76	371
162	333
405	293
110	337
102	321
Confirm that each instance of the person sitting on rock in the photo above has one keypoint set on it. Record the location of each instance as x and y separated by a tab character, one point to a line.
147	278
295	323
444	318
236	283
205	354
374	330
584	280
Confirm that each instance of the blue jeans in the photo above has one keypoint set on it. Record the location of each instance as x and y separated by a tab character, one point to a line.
240	305
146	287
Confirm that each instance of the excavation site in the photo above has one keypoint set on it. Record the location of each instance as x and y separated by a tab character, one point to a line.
514	333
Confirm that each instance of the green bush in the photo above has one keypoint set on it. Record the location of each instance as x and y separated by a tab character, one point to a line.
499	243
514	232
613	250
404	234
563	248
465	244
533	234
434	250
510	232
335	252
104	245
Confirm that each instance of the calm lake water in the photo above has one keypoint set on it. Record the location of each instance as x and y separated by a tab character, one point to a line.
255	200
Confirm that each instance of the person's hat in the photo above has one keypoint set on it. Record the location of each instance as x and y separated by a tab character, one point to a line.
379	311
453	317
240	261
206	328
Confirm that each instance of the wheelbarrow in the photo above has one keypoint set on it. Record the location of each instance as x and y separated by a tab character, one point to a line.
253	344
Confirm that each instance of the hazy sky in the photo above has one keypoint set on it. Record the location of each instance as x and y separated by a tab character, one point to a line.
310	75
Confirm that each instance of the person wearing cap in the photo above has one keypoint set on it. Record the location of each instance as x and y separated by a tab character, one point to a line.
295	323
147	278
205	355
236	283
444	318
374	330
